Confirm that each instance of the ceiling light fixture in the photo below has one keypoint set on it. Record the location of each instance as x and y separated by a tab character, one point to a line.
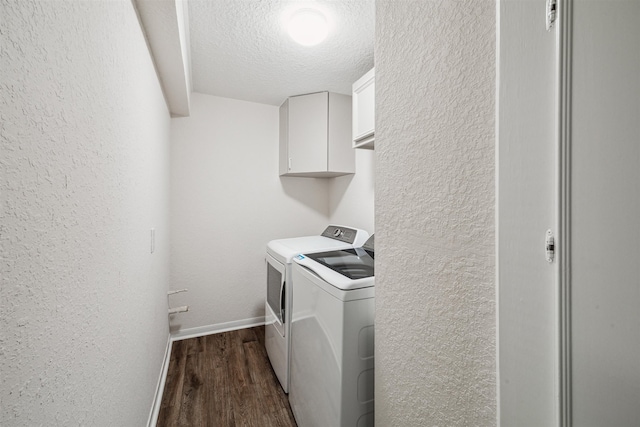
308	27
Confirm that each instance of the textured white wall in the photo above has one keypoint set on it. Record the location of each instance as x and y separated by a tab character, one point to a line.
227	202
435	262
351	196
84	175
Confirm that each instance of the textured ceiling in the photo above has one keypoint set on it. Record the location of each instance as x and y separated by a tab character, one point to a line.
240	49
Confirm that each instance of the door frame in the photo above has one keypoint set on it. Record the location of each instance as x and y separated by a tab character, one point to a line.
563	178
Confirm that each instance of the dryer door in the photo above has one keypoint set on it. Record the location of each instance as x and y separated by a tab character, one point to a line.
276	278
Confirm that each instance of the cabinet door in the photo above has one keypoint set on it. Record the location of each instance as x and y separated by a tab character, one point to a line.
364	110
308	127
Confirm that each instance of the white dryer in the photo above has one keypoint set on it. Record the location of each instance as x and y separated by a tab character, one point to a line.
280	288
332	338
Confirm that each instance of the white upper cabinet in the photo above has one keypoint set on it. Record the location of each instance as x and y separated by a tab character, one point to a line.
364	111
315	137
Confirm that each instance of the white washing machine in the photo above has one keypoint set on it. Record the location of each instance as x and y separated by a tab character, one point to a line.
332	338
280	288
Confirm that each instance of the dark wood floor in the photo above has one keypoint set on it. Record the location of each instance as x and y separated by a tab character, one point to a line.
223	380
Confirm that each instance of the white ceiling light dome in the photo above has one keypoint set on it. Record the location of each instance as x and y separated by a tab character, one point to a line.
308	27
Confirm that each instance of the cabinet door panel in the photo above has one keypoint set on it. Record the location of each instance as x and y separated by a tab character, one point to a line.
308	132
364	108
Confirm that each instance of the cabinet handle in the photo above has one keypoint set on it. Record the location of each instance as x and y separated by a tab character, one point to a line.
289	163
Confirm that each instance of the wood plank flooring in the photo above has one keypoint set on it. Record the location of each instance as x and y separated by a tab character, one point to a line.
223	380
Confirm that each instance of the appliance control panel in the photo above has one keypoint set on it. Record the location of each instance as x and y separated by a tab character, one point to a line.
344	234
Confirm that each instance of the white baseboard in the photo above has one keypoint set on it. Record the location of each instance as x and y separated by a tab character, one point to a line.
157	401
217	328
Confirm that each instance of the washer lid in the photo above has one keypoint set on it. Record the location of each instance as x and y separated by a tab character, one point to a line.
285	249
354	263
334	237
331	276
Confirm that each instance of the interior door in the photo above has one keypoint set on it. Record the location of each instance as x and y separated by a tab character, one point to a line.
600	202
605	214
527	326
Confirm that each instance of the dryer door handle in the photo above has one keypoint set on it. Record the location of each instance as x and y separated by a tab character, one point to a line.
283	297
